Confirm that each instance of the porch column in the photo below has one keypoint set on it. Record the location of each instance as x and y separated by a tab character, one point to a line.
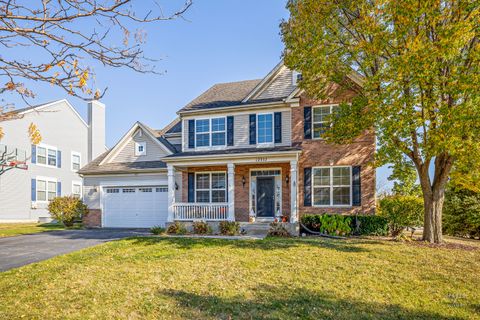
231	191
171	191
293	192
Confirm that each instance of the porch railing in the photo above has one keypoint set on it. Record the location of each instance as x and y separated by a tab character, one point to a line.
200	211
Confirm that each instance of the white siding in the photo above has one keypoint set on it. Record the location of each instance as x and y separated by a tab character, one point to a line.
281	86
127	152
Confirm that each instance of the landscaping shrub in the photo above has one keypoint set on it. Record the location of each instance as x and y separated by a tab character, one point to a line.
229	228
401	212
334	224
201	227
157	230
177	228
277	229
370	225
67	209
461	213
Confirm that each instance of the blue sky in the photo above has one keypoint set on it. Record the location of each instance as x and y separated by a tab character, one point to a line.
218	41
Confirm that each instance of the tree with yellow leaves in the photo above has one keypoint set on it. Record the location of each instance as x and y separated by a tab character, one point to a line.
419	63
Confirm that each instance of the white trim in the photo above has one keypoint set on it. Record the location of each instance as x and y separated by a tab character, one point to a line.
265	144
246	108
47	180
79	183
266	80
54	103
124	140
210	189
75	153
295	75
250	192
318	106
46	147
210	133
142	144
274	157
331	186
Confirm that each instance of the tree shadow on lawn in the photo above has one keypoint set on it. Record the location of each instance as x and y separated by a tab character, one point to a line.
265	244
271	302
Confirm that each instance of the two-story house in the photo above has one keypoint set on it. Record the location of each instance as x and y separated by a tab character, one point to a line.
68	143
240	150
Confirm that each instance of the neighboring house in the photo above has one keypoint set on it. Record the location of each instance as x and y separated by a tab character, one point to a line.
241	149
68	143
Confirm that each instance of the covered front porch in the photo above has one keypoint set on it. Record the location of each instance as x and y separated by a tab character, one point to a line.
243	189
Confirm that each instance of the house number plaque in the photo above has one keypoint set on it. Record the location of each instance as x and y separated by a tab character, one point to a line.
262	159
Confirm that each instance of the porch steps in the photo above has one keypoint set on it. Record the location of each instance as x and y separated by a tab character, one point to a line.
255	229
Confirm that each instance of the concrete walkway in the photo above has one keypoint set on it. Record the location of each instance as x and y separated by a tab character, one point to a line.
21	250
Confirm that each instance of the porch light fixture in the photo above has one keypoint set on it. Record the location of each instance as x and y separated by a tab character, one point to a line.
287	179
243	181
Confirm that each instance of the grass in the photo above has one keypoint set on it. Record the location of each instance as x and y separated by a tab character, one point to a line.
15	229
182	278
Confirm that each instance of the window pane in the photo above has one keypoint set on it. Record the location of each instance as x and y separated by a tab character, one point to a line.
218	196
203	181
321	176
41	185
218	139
218	124
202	125
76	189
321	196
41	155
341	195
51	195
203	196
203	140
265	128
341	176
320	113
76	166
218	181
52	157
319	129
41	196
52	186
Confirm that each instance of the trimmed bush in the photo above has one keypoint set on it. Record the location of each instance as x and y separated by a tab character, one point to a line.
461	213
334	224
67	209
157	230
277	229
177	228
401	212
370	225
229	228
201	227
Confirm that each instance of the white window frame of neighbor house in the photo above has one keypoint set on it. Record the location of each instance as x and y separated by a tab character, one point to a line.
211	132
142	145
295	77
48	182
330	107
331	186
73	163
271	129
79	184
210	188
47	148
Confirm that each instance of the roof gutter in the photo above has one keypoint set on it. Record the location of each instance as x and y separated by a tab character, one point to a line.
229	108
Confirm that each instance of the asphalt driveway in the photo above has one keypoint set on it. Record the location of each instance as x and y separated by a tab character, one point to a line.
21	250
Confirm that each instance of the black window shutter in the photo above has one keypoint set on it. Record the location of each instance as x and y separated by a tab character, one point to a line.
278	126
191	133
356	186
230	131
307	122
307	187
191	187
253	129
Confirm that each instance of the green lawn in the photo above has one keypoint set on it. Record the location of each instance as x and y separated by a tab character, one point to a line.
175	278
15	229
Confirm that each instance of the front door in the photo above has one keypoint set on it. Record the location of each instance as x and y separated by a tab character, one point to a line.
265	197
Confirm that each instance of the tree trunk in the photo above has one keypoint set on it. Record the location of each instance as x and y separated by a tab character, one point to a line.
433	204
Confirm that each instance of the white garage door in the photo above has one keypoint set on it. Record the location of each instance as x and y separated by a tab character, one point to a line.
135	207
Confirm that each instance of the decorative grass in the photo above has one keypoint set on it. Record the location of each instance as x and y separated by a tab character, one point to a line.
181	278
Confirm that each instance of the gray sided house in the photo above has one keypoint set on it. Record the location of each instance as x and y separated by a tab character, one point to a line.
242	151
68	143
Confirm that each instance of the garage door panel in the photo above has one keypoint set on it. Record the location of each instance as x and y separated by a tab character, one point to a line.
135	207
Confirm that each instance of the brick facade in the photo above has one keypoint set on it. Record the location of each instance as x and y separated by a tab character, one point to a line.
318	153
93	219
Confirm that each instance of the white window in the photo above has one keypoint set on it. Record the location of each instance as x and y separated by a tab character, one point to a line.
140	148
145	190
210	132
76	159
320	122
77	189
265	128
46	156
211	187
128	190
296	77
46	189
332	186
112	190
